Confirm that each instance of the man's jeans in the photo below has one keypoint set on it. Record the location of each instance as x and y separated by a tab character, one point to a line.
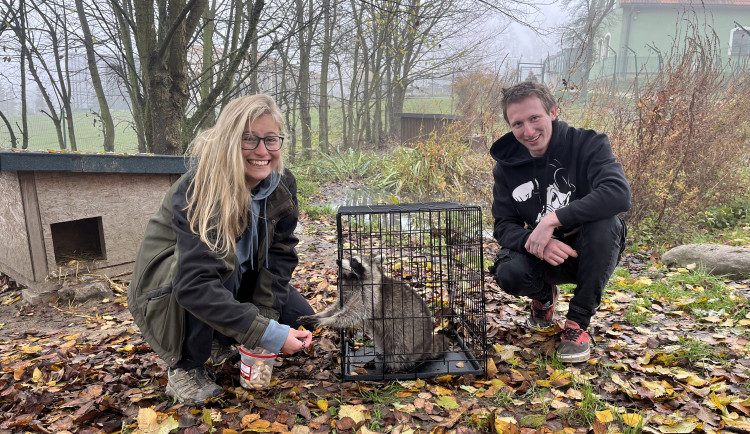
599	245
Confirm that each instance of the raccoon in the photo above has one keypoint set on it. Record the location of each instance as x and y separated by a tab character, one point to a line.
393	314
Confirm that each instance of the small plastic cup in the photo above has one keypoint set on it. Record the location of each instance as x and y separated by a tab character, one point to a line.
256	367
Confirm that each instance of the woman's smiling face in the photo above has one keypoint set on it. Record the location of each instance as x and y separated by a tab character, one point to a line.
259	162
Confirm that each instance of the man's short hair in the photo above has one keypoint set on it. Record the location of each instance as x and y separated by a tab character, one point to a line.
524	90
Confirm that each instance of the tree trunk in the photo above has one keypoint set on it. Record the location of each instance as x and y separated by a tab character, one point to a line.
303	84
207	61
13	139
107	123
131	80
329	20
24	57
164	68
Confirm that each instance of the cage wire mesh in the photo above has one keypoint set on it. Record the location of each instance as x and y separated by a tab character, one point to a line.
433	250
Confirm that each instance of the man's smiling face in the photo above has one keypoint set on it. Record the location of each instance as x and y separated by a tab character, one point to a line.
531	124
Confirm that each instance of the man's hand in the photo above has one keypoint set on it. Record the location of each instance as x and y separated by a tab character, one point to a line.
541	235
297	340
556	252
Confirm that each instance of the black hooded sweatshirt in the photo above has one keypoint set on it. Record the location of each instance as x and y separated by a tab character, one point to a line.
578	178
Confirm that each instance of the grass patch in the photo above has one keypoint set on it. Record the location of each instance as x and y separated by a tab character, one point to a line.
382	399
88	132
584	412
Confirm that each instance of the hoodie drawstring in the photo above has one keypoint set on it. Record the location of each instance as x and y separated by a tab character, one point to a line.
265	214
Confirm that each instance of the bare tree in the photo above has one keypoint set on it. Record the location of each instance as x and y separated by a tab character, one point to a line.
305	39
96	82
328	9
582	31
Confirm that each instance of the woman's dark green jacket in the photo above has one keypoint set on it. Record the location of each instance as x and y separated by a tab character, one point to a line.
176	272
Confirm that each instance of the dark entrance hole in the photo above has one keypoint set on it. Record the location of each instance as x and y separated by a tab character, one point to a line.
80	240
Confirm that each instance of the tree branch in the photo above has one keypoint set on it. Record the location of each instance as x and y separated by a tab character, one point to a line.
175	25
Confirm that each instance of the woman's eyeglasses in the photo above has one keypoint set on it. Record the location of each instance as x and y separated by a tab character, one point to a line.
272	143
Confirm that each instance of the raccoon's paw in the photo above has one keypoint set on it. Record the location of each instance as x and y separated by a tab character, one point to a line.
310	322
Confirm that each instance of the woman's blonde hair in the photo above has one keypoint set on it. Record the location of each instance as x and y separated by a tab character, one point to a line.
218	197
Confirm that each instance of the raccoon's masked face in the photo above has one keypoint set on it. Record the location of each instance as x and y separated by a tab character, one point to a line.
352	270
356	273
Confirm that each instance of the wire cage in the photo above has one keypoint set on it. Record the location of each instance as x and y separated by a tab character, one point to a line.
433	250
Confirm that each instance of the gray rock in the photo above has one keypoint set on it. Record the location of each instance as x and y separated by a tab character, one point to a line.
717	259
83	292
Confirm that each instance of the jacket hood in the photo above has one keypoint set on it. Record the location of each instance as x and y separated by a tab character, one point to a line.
508	150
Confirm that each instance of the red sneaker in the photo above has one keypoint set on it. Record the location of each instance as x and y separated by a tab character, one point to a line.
541	314
575	344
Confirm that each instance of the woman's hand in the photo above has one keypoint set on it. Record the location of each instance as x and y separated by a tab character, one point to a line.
297	340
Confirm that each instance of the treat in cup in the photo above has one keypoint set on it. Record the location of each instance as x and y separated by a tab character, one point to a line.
256	367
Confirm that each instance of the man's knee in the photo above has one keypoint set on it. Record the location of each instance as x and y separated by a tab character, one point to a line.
514	273
605	234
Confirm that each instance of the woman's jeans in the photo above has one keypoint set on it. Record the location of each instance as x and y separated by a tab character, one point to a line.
196	347
599	245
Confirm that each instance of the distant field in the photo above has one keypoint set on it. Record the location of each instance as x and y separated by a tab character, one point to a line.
89	136
88	133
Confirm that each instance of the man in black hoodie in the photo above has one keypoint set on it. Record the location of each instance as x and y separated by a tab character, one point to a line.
556	199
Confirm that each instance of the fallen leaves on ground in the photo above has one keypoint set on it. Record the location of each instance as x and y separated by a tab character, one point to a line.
97	374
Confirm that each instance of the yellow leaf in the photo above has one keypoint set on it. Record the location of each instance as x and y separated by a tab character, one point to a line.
445	378
605	416
248	419
559	378
259	425
716	401
447	402
679	428
544	383
645	281
492	369
146	418
18	372
148	422
322	404
357	412
31	349
506	425
37	376
440	390
632	419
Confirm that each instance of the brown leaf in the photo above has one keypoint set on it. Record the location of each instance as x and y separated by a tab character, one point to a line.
85	413
345	423
91	392
304	411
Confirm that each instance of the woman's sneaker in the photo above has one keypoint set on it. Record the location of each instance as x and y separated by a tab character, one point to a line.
541	314
574	344
191	385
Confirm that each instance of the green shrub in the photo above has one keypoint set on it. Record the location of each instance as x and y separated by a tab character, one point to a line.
437	167
681	138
